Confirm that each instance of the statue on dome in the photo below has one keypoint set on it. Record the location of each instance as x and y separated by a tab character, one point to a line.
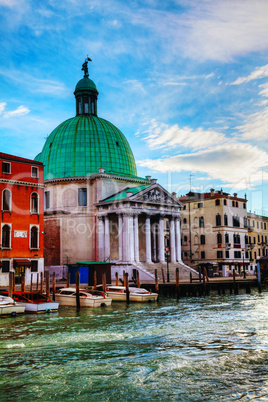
85	66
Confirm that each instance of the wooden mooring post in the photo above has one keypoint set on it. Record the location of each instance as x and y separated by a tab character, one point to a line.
37	281
77	286
104	282
95	279
127	286
138	279
156	281
41	283
53	286
116	279
68	279
47	284
163	275
235	283
10	287
22	284
31	285
177	283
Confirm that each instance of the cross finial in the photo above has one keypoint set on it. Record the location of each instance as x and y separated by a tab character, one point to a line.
85	66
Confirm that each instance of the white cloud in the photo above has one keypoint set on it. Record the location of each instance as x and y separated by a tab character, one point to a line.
2	107
256	126
228	163
20	111
264	91
159	135
221	30
259	72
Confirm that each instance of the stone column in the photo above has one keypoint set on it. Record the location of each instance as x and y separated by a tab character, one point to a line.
136	239
107	238
154	242
172	240
125	240
131	238
178	239
120	237
101	238
161	240
148	239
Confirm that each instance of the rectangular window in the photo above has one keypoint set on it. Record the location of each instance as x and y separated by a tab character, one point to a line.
236	221
227	254
237	254
257	224
5	266
82	197
246	254
47	199
219	254
6	167
34	266
34	171
245	222
200	205
264	225
203	255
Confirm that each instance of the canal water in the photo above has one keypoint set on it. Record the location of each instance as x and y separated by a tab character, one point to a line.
196	349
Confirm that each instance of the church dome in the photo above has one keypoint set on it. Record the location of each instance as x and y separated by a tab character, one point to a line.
81	145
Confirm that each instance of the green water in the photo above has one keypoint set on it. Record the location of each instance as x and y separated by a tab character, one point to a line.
197	349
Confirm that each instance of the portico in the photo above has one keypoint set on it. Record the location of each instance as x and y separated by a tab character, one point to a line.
139	223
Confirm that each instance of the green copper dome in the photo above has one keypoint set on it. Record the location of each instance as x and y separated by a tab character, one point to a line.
80	146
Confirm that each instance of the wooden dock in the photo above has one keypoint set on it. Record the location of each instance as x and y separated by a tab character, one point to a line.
221	286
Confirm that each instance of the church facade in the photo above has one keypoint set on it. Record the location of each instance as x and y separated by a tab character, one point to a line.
96	207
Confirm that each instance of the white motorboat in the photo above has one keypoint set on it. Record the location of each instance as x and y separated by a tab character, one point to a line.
118	293
9	307
67	297
35	302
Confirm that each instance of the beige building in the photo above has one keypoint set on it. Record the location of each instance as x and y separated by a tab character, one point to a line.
214	232
257	238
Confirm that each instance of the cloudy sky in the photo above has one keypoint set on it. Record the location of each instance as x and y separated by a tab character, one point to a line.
186	81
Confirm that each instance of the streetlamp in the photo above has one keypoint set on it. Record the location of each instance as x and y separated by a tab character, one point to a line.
167	255
244	268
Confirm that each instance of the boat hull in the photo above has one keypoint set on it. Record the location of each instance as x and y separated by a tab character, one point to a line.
11	310
39	308
68	300
142	298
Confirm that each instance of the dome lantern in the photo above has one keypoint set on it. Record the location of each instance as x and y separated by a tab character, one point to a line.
86	94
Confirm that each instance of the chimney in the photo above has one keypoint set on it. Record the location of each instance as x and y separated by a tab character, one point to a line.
153	181
174	194
101	170
212	192
129	193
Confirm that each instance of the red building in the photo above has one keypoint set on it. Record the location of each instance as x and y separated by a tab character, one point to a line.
22	218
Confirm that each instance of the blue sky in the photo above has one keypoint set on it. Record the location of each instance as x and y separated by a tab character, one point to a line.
186	81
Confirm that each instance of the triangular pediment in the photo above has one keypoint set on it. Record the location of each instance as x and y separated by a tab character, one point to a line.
155	194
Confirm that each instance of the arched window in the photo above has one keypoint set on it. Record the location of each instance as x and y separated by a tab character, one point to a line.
34	237
218	220
219	238
225	220
225	202
217	202
226	238
6	236
202	239
34	203
6	200
196	240
201	222
185	239
184	220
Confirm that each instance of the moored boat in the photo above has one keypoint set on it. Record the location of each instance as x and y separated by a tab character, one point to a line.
67	297
35	302
118	293
9	307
